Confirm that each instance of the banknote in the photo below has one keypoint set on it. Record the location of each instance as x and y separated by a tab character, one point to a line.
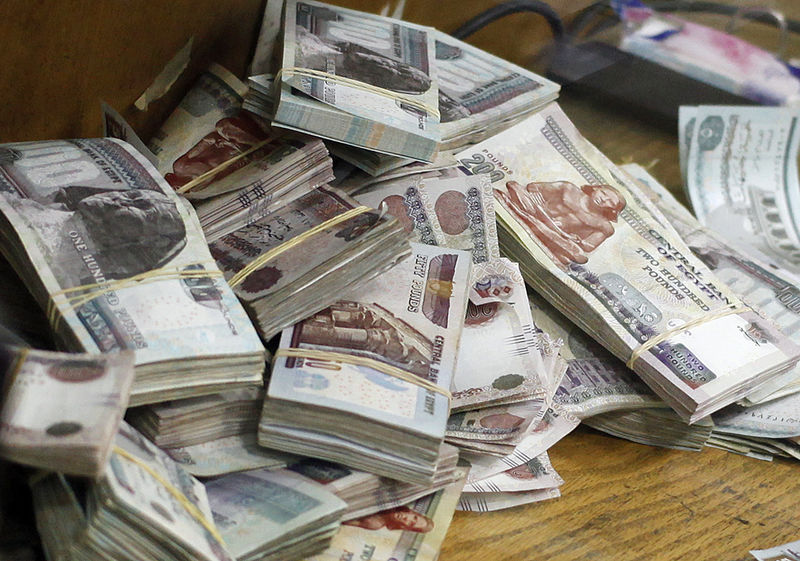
587	242
785	552
115	126
119	262
499	422
258	511
412	532
394	346
555	425
461	211
269	40
359	180
480	94
538	473
366	493
60	411
741	177
210	105
778	418
487	502
401	197
230	454
362	48
499	358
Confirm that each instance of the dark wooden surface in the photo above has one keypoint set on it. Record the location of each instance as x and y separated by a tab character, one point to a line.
621	501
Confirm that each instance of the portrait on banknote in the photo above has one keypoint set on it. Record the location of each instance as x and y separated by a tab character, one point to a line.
570	221
402	518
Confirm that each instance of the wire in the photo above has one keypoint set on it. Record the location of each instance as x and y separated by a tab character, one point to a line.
512	7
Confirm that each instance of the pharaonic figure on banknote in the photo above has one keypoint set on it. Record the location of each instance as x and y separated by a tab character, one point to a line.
230	137
570	221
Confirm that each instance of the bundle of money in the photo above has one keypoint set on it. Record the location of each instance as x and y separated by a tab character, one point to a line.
273	515
60	411
481	94
413	531
655	427
300	258
533	481
360	79
366	493
365	382
597	254
231	164
186	422
119	262
143	506
756	278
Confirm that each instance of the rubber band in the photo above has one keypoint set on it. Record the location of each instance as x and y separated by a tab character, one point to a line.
224	165
388	369
74	301
728	310
190	507
311	73
259	261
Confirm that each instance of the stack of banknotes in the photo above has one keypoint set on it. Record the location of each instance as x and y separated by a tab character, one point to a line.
118	261
434	93
365	382
186	422
593	245
297	260
61	410
232	165
764	429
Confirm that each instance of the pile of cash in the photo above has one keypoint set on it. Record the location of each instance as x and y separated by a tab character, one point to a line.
449	276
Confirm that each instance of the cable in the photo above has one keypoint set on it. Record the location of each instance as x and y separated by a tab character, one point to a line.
512	7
